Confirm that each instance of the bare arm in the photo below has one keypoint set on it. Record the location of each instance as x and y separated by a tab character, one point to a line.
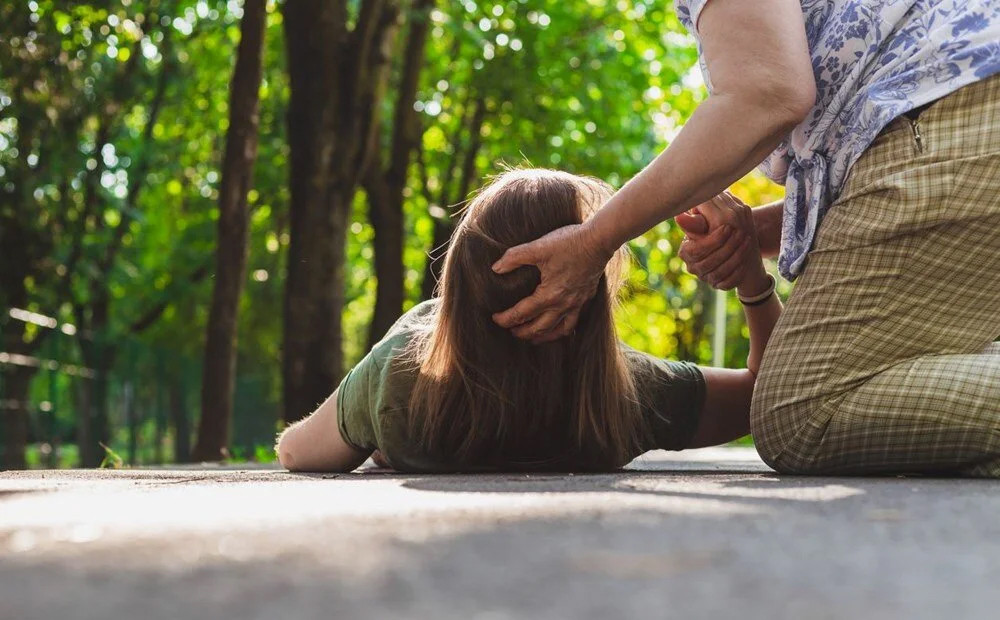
761	320
763	86
725	416
758	58
726	413
767	221
315	443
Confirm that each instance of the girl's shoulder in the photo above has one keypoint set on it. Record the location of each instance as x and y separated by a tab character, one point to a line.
415	322
671	396
373	396
646	367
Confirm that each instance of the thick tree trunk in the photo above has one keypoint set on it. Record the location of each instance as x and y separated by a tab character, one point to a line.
337	78
14	379
386	215
386	188
219	372
314	299
14	384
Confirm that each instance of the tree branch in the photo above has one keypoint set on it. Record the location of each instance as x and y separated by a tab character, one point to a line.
142	165
153	314
406	125
368	89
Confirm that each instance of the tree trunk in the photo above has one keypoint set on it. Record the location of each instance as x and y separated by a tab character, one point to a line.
132	422
14	384
314	299
219	371
93	427
178	415
14	379
337	81
385	188
386	215
93	423
443	226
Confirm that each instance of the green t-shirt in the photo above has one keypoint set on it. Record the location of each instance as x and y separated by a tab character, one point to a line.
373	398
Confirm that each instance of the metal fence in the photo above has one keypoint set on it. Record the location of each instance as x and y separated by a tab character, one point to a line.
151	396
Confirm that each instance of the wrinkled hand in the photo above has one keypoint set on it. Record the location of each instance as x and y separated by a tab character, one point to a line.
571	265
721	245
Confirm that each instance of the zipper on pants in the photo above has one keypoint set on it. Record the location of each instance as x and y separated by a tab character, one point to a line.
917	136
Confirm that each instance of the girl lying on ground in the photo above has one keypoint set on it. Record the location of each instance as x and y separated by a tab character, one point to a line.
449	390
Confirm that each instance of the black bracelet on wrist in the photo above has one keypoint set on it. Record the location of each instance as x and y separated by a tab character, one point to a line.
761	297
759	302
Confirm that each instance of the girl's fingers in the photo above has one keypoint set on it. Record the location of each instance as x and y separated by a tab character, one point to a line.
700	249
692	223
733	263
733	244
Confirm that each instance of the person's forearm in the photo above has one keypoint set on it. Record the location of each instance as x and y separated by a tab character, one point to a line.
725	414
767	221
726	137
315	443
760	320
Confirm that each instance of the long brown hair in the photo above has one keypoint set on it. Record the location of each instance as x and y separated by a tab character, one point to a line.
484	398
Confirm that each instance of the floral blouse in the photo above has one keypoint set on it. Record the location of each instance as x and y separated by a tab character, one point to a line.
873	60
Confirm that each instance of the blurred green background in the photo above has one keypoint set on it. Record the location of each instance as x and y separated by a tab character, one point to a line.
113	128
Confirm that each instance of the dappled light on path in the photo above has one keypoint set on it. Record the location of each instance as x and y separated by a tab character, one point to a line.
704	530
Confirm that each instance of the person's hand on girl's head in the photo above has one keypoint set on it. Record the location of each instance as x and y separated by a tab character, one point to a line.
571	267
721	244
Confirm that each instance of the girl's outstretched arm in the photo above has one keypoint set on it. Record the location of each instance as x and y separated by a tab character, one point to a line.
730	248
315	443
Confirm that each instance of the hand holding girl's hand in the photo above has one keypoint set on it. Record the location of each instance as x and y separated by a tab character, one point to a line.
721	245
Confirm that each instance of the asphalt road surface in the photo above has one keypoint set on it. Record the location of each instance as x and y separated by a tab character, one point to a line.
703	534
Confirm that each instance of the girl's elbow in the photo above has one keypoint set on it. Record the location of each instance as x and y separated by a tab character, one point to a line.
286	457
286	460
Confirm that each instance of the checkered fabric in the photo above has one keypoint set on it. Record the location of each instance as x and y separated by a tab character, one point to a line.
882	361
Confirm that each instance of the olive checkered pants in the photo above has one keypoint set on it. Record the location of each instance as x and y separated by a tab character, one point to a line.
884	360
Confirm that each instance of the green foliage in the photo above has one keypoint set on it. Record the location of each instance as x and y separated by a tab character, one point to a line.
112	124
111	459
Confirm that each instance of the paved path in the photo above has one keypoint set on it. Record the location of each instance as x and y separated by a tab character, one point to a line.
709	533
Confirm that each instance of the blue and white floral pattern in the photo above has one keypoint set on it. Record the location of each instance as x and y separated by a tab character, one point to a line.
873	60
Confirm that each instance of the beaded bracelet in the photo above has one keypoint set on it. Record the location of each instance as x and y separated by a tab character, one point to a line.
757	300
